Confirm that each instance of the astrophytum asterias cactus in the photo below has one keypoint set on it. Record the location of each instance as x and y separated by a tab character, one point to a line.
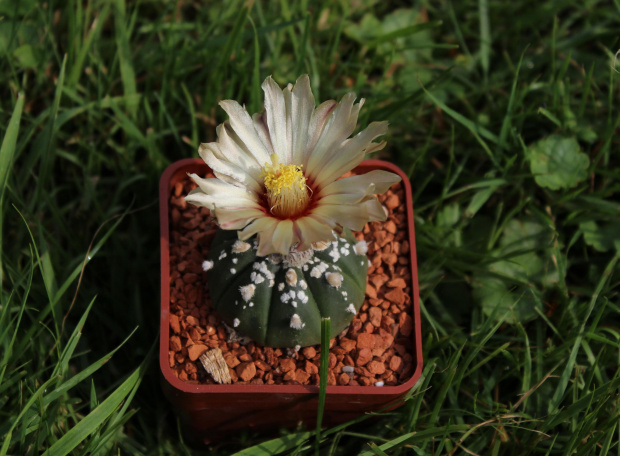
279	190
279	300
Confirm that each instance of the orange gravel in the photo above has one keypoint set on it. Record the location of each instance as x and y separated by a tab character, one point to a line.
377	346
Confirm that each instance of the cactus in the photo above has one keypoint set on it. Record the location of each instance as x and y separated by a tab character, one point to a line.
279	300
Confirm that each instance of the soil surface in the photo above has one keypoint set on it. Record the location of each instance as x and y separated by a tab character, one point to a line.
376	349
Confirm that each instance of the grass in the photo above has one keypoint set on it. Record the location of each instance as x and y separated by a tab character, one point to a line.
504	115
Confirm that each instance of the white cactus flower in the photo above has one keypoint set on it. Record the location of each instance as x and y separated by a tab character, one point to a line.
278	172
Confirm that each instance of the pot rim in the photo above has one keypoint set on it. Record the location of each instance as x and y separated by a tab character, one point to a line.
187	387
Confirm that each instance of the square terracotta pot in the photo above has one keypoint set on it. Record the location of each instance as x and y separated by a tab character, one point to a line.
211	411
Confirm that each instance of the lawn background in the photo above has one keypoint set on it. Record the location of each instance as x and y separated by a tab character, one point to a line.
505	115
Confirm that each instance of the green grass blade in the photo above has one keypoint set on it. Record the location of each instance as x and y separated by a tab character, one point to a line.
35	397
485	36
8	348
95	30
476	130
570	363
7	150
67	353
276	446
7	154
507	122
43	146
82	375
324	362
128	74
82	430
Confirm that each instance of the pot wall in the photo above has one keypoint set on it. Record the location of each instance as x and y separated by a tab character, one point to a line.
210	411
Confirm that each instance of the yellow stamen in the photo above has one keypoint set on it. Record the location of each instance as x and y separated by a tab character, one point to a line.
287	194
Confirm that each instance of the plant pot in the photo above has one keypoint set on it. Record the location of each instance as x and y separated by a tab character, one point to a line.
209	411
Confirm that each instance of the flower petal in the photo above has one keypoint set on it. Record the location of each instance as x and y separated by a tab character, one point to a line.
236	218
230	162
277	121
350	154
274	236
311	230
339	126
220	194
353	216
260	225
242	124
302	109
318	119
376	211
377	181
279	241
262	130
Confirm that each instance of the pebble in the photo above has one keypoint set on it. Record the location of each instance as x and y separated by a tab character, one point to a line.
363	356
375	316
175	326
246	371
376	367
196	350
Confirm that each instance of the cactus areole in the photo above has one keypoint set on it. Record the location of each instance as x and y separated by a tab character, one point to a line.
279	300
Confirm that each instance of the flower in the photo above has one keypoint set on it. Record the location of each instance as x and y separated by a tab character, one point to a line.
278	173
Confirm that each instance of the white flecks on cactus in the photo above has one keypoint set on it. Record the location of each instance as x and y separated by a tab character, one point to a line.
318	270
262	268
334	279
247	291
294	304
335	254
251	304
305	268
351	309
281	286
207	265
284	297
344	250
296	322
361	248
303	284
256	278
236	302
291	277
239	247
271	283
233	271
223	255
235	260
303	297
344	294
236	322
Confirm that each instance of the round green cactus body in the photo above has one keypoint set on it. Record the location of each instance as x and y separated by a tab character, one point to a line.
279	300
